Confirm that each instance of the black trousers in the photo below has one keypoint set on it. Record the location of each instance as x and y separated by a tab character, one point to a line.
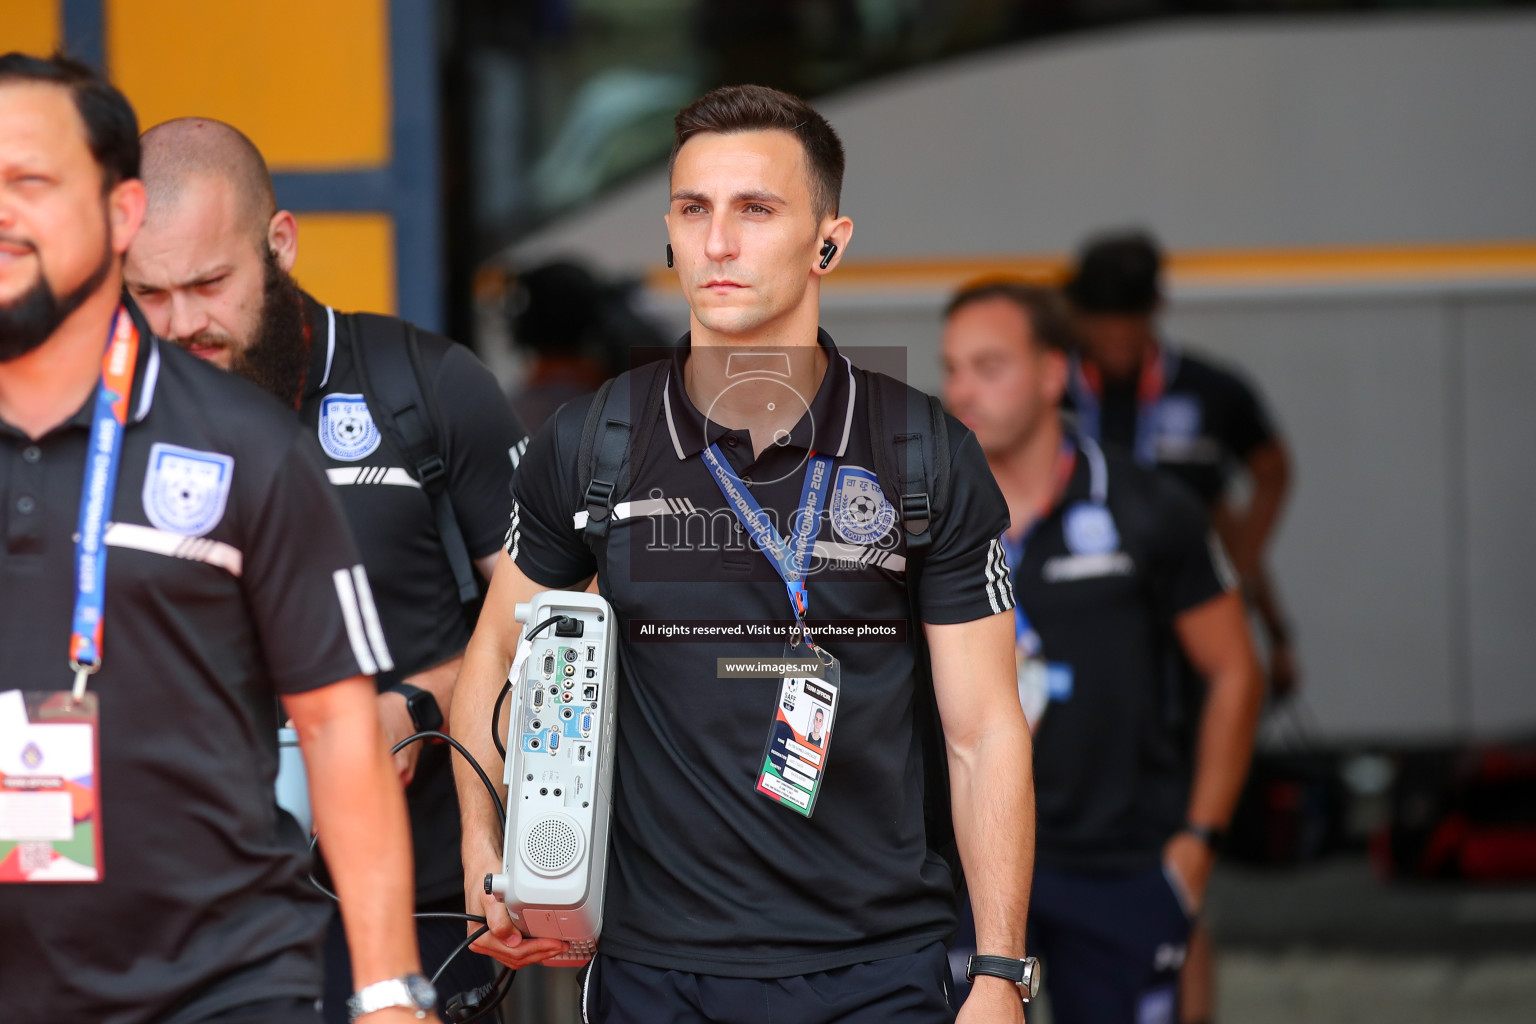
271	1011
912	989
436	938
1111	945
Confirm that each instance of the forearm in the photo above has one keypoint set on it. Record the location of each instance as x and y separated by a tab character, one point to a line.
360	815
993	795
1247	534
482	673
1225	744
440	681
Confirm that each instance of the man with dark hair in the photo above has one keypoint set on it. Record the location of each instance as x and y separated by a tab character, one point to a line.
721	864
1113	567
1196	420
211	271
232	582
1201	423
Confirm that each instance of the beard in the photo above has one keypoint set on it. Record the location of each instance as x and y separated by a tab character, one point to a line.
277	359
31	319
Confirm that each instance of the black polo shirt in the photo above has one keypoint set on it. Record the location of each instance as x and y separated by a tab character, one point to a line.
1207	423
204	904
396	531
1113	750
705	874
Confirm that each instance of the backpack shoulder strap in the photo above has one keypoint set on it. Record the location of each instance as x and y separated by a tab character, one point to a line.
911	455
614	442
389	366
912	462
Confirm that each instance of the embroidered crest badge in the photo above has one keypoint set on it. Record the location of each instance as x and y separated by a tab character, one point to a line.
185	490
347	430
859	510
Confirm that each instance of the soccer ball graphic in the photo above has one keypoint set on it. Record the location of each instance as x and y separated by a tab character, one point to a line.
863	508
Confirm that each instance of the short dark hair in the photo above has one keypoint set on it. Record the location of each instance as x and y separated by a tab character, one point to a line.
111	127
1049	324
757	108
1118	273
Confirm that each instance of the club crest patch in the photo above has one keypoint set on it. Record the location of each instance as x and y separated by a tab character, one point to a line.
347	430
1089	529
185	490
1179	417
859	510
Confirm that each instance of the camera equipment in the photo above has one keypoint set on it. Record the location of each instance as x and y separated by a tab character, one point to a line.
559	772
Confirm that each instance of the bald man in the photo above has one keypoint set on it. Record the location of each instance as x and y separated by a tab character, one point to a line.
211	271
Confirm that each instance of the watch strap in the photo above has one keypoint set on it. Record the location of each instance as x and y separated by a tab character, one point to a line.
1004	967
385	995
426	716
1213	838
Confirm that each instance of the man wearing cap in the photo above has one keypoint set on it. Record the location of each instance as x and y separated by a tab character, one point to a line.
1116	571
1197	421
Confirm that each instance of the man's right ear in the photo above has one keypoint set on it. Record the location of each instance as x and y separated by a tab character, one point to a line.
283	239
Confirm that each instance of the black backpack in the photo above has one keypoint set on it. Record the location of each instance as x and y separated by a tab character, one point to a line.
391	376
914	475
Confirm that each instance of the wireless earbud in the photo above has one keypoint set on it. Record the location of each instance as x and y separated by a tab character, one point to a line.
828	250
669	254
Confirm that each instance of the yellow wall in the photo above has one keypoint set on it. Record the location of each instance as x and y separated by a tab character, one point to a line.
31	26
347	260
307	80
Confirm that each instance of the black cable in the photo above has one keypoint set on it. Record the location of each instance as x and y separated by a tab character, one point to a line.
461	947
484	999
501	748
499	988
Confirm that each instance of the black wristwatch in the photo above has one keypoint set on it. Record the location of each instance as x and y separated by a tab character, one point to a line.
426	716
1213	838
1023	973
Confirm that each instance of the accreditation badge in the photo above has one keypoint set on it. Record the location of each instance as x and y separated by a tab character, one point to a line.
50	788
795	760
1040	683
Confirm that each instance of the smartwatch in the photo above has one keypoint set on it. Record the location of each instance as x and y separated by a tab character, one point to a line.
426	716
1213	838
1023	973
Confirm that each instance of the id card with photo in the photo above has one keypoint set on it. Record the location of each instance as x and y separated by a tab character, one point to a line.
50	808
795	761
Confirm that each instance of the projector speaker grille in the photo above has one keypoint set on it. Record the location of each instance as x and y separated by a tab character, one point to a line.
551	845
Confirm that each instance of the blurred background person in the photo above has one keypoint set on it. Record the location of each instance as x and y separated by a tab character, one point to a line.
576	331
211	271
1113	565
1135	389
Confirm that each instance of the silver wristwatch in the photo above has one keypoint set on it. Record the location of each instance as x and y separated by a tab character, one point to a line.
1023	973
412	992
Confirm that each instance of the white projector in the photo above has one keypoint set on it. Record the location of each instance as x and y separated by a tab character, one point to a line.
559	776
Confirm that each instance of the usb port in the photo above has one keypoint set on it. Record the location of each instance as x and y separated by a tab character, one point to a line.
591	653
589	692
591	673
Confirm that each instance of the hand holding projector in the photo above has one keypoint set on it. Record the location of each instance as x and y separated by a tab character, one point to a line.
559	774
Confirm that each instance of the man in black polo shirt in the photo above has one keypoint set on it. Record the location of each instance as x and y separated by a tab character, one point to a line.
724	901
1117	574
1200	422
1197	421
211	270
186	521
